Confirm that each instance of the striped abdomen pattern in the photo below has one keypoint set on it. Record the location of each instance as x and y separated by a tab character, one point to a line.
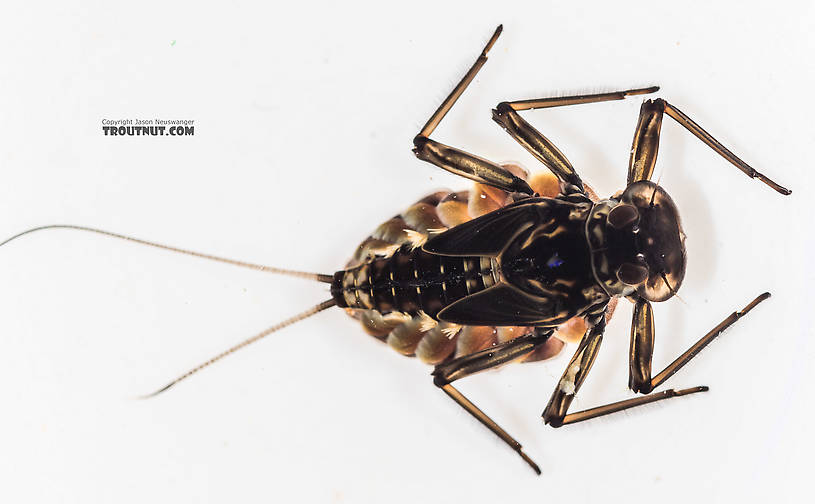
412	281
387	282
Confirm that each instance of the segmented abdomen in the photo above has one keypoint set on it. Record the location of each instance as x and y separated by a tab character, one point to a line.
412	281
422	283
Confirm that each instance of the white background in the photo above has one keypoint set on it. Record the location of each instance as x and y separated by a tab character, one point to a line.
304	116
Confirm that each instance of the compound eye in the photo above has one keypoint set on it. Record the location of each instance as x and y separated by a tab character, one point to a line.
623	216
632	274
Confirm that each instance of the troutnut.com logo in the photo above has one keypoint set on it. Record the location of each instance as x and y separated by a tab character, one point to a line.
148	127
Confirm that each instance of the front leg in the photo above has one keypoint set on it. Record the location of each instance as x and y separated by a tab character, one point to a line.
556	412
646	144
642	345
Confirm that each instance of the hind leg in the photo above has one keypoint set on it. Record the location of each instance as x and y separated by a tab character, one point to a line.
445	374
456	160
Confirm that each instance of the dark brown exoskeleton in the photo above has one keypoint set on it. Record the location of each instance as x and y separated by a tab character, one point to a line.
471	281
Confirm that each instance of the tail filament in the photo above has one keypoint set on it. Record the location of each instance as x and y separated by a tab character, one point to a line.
258	267
297	318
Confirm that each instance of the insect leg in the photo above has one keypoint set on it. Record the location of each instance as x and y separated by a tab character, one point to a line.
482	417
455	160
642	343
466	365
556	412
575	374
641	350
506	114
646	143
